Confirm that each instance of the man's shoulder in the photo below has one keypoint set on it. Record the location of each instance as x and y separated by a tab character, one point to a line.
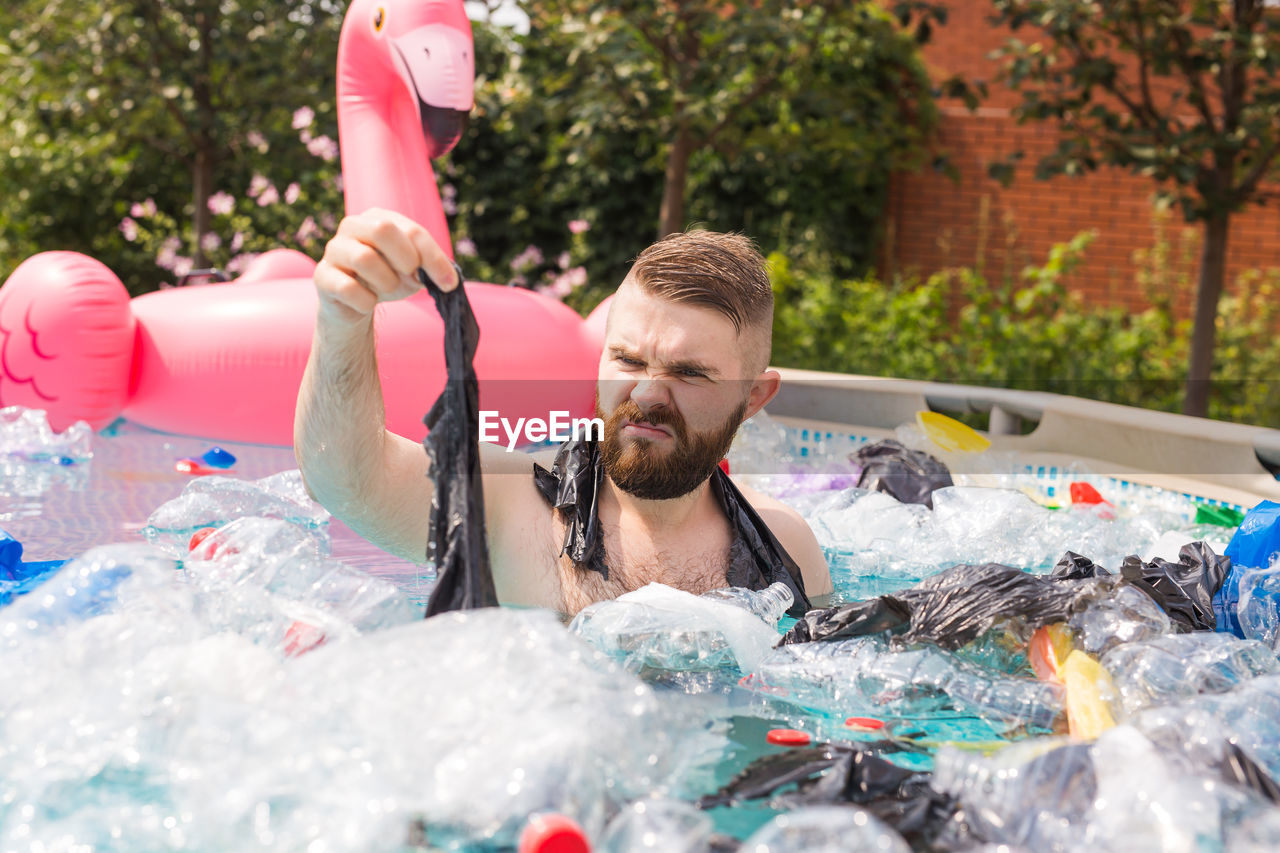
796	536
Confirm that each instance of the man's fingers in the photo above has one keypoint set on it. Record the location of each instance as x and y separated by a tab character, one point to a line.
343	289
390	234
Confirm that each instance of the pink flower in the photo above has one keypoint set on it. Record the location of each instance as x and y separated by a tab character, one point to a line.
142	210
237	240
563	261
465	248
221	203
307	230
257	140
239	262
530	257
257	184
167	257
269	195
565	283
328	221
210	242
338	183
449	206
292	192
579	226
324	148
182	266
302	117
129	228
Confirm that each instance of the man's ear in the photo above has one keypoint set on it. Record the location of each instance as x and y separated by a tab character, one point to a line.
763	389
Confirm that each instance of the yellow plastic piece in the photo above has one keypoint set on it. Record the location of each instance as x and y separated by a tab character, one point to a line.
950	434
1088	685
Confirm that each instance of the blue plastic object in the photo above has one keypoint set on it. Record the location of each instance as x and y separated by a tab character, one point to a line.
216	457
10	557
1257	540
1254	544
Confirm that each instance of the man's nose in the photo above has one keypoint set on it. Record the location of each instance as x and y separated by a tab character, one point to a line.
650	394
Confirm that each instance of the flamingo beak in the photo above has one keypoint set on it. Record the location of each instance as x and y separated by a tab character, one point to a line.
437	64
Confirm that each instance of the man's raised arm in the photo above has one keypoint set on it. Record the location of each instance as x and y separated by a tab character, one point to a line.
372	479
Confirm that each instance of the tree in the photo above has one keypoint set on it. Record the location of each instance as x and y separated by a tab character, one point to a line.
695	73
1184	91
171	95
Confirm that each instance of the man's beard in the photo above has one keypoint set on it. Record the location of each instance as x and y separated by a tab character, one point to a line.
640	469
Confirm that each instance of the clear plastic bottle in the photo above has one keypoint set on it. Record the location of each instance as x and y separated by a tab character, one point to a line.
864	674
669	826
769	603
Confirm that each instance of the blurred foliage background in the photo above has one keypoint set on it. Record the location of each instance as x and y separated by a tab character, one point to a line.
161	136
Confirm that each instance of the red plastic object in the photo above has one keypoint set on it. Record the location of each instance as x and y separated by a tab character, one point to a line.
788	737
1083	493
724	465
866	724
302	637
193	467
553	833
199	536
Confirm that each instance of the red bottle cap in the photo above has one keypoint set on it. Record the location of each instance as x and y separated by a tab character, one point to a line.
302	637
788	737
553	833
191	466
867	724
1083	493
199	536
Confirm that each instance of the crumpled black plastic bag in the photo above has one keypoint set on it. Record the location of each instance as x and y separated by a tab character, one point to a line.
948	609
456	543
838	773
911	476
1184	590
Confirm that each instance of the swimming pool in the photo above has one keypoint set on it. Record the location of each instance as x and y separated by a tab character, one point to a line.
149	726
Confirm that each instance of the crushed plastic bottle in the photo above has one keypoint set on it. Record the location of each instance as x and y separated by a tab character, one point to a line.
659	627
769	603
215	500
824	829
1258	611
26	433
862	674
663	826
1167	669
1123	614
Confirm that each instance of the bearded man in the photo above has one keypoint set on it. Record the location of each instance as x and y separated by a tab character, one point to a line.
685	362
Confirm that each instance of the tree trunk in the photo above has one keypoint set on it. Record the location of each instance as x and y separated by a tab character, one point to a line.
201	189
671	216
1213	271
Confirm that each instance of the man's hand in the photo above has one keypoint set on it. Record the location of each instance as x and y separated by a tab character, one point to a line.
374	258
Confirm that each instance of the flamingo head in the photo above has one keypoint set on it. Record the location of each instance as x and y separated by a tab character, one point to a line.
427	46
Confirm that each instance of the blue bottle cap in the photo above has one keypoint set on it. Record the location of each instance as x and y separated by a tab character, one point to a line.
216	457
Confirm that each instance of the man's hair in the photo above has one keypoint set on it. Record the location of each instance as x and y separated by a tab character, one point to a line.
723	272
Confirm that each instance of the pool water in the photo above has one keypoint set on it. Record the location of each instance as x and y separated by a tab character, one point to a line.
60	511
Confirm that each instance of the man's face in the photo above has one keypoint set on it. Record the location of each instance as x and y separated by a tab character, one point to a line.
673	389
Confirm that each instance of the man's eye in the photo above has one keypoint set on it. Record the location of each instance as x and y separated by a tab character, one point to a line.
629	362
691	374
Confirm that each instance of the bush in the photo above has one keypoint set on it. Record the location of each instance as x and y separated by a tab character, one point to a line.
1032	333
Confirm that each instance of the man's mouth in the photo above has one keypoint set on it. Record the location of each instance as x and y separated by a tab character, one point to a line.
644	429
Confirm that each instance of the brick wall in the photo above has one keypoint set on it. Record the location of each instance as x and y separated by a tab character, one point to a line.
935	222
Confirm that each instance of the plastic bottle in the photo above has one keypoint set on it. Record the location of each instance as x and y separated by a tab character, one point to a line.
847	676
1254	546
769	603
667	826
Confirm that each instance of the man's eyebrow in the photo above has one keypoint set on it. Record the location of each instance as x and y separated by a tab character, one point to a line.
689	364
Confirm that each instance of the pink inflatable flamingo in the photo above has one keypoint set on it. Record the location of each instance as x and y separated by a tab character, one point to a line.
225	361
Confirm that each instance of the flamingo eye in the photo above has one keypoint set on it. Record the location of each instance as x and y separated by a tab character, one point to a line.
379	18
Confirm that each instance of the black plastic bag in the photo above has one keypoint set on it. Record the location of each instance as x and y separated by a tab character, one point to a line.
839	773
1184	590
911	476
456	543
948	609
